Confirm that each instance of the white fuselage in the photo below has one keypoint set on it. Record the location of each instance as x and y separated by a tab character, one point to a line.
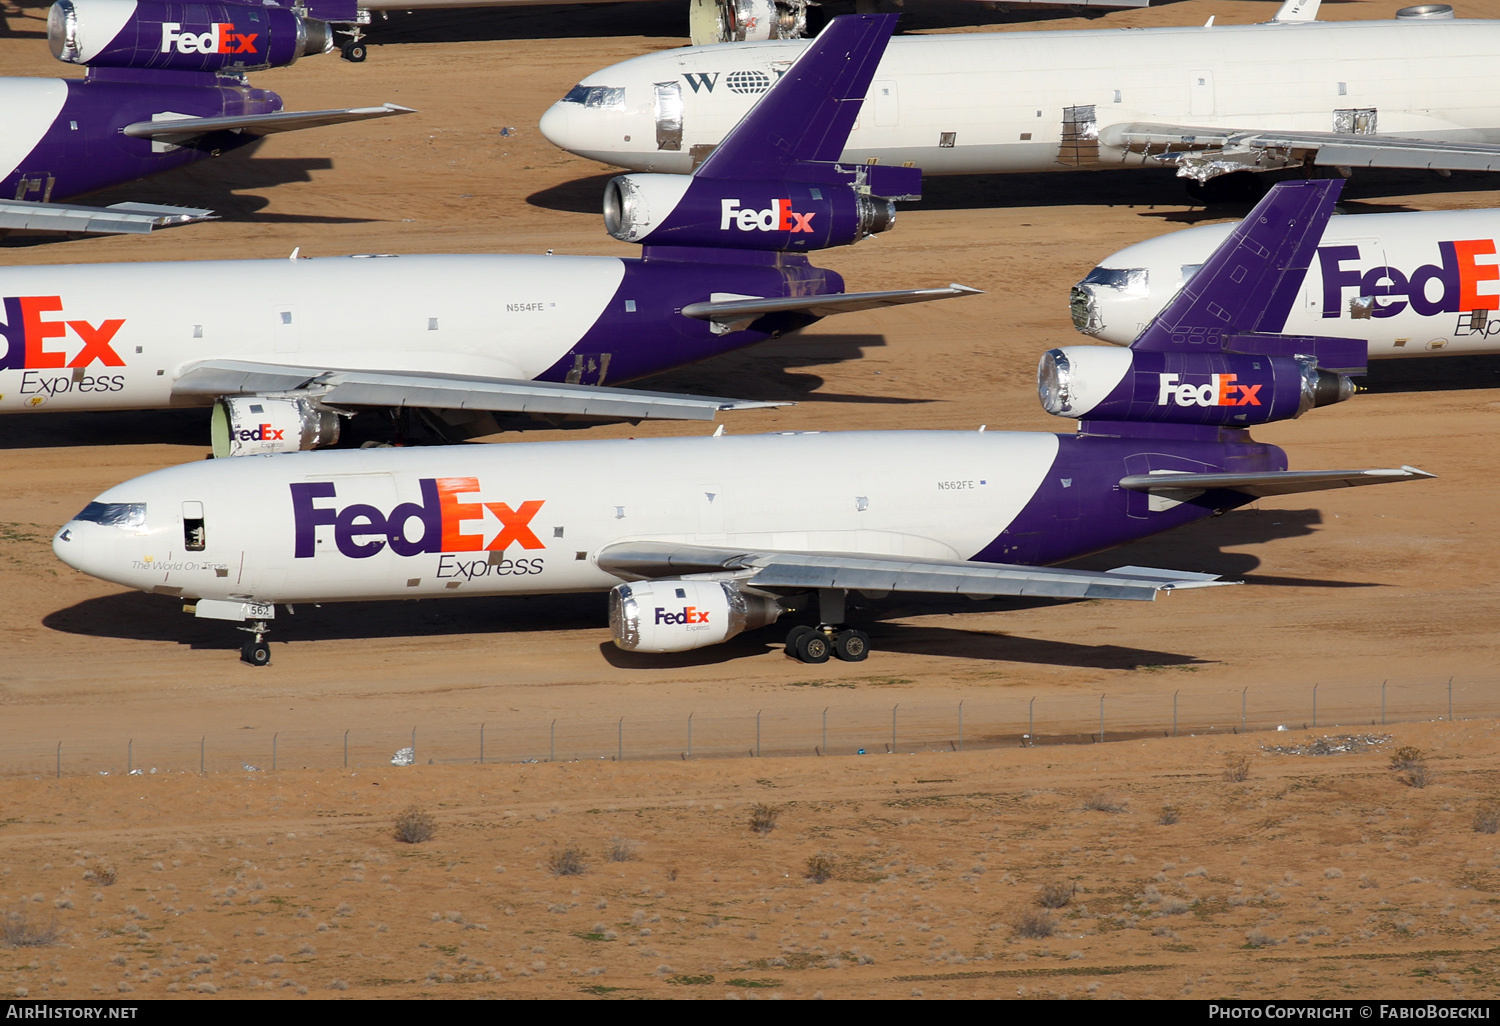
978	103
533	517
1409	283
117	336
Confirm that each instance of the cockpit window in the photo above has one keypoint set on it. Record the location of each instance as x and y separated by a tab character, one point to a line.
1133	281
599	97
118	514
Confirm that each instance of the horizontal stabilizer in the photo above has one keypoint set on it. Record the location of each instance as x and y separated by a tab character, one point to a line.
791	572
731	311
1283	482
169	128
211	379
116	219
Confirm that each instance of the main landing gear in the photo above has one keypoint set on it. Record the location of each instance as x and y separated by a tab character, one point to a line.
830	637
256	650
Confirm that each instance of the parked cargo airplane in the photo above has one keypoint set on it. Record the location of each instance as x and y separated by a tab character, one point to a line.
698	539
1412	284
724	266
165	88
1412	92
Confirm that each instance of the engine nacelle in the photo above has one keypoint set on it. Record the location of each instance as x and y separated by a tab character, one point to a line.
676	210
1230	389
678	614
181	36
248	425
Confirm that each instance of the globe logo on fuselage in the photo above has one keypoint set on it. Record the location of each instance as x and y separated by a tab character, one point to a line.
747	81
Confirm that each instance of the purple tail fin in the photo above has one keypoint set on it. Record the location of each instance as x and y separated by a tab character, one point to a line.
1239	299
806	117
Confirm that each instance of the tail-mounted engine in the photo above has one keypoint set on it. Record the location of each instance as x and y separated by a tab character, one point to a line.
1218	388
676	210
676	615
181	36
249	425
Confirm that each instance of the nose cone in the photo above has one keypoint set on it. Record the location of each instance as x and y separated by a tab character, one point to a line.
556	125
68	546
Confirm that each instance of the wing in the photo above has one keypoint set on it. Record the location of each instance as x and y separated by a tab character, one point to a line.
170	128
806	571
729	314
1284	482
1202	153
210	379
118	218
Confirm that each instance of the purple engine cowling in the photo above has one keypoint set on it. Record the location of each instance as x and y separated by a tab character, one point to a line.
678	210
181	37
1209	388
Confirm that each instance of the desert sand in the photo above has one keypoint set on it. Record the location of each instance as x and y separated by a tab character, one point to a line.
1315	876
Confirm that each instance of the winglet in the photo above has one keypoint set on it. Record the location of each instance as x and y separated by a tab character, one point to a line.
806	117
1248	285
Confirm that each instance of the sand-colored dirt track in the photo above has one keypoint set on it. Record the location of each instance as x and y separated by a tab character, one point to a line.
1320	875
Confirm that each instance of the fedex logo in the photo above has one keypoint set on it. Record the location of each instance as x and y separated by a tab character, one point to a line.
436	524
260	433
30	336
689	615
220	38
1220	391
1456	278
780	218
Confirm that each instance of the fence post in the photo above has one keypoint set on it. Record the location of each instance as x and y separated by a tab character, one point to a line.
1450	699
273	751
1382	701
757	733
1243	692
129	756
202	745
59	760
481	744
1101	719
1031	722
1315	707
414	746
346	748
552	743
960	726
893	727
620	741
690	735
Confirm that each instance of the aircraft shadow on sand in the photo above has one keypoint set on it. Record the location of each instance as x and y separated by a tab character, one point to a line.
1443	374
109	427
142	617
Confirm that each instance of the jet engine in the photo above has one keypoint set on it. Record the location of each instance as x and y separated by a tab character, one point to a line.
248	425
674	210
1226	388
675	615
181	36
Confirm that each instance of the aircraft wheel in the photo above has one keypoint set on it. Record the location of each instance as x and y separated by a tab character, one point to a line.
256	653
813	647
851	646
354	52
795	635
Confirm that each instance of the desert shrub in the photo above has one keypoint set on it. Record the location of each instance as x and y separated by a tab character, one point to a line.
1056	894
1236	768
1410	764
1168	815
620	850
414	826
567	861
1036	925
1101	802
1487	819
819	868
763	818
100	874
18	930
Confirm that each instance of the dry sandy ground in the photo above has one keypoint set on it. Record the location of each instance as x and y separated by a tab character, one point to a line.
1361	584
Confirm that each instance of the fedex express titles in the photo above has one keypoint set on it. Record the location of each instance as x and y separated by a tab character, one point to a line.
39	338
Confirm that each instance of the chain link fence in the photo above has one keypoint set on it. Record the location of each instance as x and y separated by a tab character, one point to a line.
839	728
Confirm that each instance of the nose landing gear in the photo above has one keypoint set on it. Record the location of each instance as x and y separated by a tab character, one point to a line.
256	651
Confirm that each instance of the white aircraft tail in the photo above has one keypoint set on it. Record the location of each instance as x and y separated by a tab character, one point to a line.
1293	11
